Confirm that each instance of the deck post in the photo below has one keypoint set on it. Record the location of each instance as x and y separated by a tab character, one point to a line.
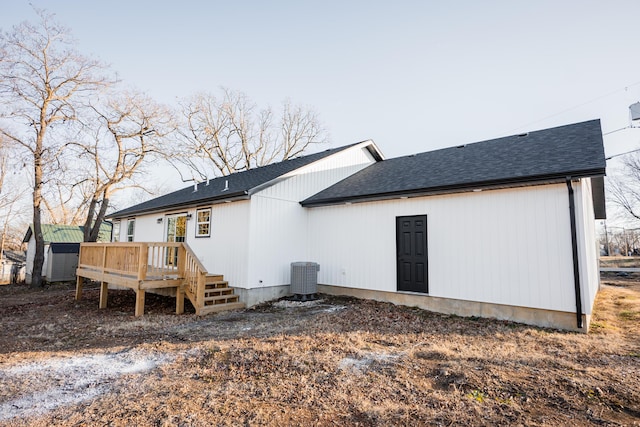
79	281
180	300
182	272
104	290
182	260
139	302
143	262
200	292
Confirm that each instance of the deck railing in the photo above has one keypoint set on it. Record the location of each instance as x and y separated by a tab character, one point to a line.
115	258
147	261
194	276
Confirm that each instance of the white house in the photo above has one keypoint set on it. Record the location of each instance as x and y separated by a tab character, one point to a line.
501	228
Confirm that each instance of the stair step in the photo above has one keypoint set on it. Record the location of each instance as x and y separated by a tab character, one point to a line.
221	299
221	307
213	278
216	284
217	292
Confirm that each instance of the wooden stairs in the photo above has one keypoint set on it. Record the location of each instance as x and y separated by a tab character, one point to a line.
218	296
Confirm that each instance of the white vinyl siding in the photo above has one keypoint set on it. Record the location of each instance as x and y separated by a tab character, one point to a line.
509	246
226	251
588	248
279	226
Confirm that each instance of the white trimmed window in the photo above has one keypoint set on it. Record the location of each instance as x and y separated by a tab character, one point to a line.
115	234
203	222
131	225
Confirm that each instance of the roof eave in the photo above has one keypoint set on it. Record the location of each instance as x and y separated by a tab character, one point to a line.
459	188
231	197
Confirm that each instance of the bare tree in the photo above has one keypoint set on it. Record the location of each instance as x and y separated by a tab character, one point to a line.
224	135
127	129
42	77
624	188
63	203
10	194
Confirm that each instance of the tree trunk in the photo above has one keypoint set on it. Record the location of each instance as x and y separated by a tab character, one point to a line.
95	232
38	260
88	223
92	228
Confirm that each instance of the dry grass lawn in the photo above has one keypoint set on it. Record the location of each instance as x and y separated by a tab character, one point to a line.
332	362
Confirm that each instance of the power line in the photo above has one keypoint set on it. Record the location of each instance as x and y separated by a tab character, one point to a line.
622	154
576	106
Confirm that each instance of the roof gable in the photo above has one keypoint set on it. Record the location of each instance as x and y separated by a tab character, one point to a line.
573	150
238	185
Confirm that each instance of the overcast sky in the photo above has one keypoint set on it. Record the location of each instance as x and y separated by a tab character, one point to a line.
411	75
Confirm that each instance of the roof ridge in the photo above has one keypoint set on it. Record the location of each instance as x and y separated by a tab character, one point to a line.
475	144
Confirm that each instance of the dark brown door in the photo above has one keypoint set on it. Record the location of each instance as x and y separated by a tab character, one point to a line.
411	246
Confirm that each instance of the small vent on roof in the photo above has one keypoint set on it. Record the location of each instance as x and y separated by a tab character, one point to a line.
195	186
461	146
226	185
522	135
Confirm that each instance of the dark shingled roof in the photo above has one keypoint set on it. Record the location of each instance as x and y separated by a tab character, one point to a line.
547	155
239	185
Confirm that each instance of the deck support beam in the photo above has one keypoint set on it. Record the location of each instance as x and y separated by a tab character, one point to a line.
104	291
79	282
179	300
139	302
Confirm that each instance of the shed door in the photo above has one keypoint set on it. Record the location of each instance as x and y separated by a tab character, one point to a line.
411	246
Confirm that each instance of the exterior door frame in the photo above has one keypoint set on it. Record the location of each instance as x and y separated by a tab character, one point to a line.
412	264
171	257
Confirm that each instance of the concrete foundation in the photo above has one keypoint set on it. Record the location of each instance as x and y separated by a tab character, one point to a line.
526	315
529	316
256	296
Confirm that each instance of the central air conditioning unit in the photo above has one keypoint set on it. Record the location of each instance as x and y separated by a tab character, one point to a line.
304	280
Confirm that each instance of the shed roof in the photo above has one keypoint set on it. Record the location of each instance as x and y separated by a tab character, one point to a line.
64	248
234	186
574	150
59	233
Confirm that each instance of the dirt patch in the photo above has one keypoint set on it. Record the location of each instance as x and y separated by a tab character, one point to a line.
334	361
620	261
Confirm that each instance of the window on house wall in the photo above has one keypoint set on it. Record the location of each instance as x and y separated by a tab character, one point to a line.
203	222
115	235
131	224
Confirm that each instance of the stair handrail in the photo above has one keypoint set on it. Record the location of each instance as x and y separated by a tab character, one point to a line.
194	274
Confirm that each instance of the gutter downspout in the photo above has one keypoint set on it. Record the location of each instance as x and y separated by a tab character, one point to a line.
574	247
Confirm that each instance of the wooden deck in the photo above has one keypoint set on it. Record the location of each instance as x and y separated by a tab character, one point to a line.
146	266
